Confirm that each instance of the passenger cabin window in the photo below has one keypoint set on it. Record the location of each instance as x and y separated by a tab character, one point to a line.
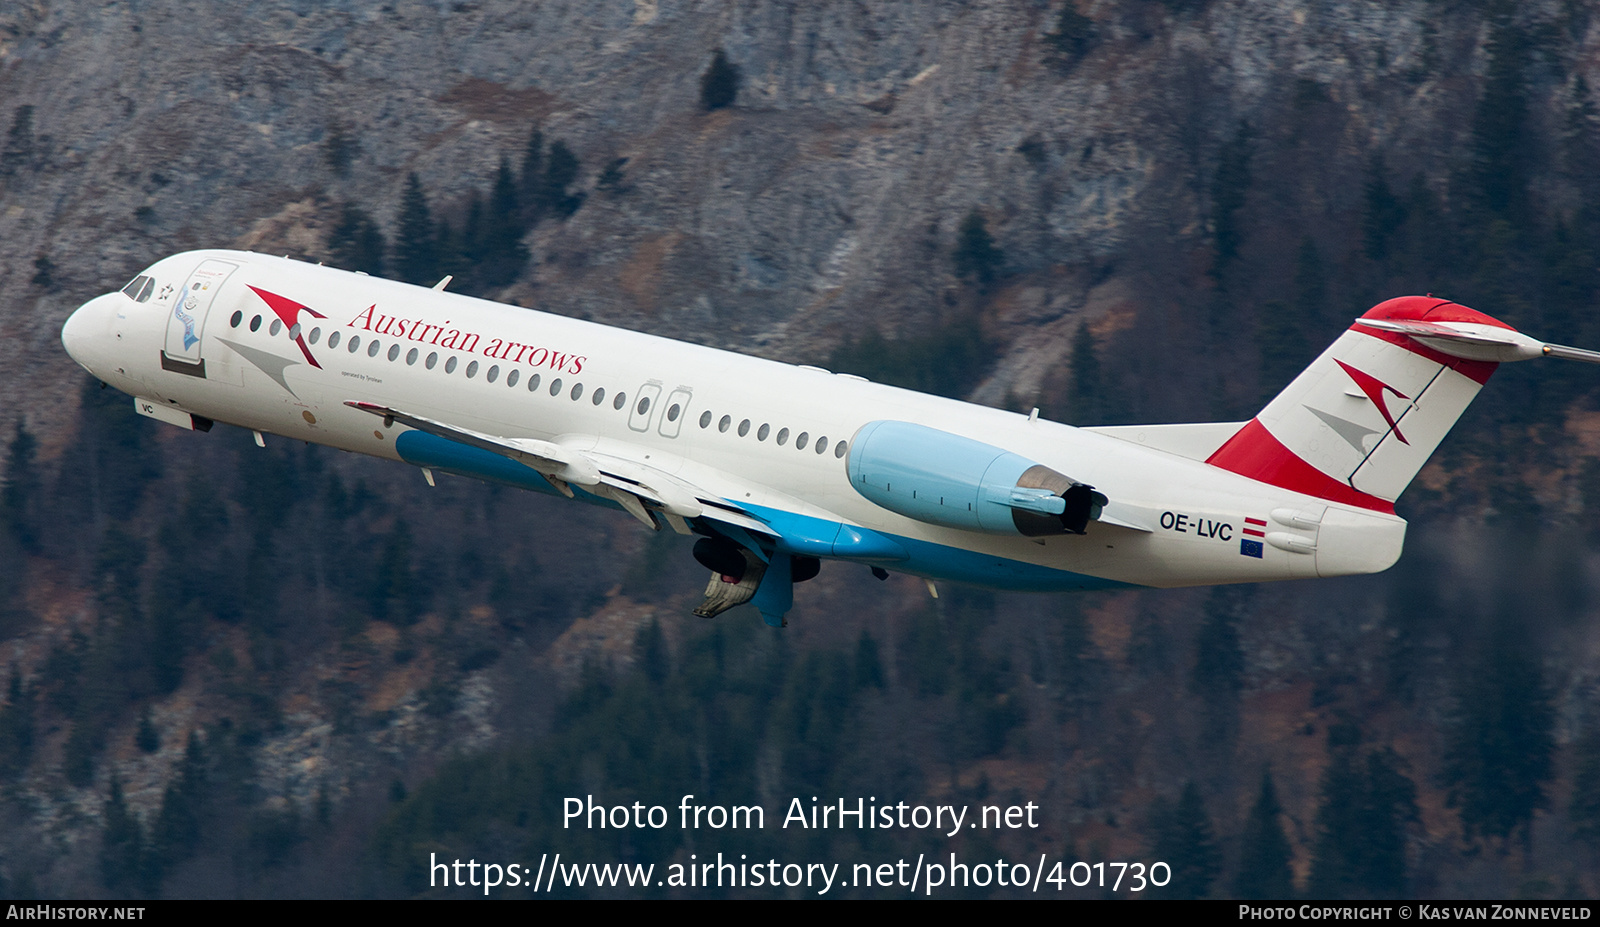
411	357
533	383
620	401
744	428
394	352
333	339
372	348
763	431
724	422
237	320
705	419
800	440
450	365
315	334
513	377
355	342
493	374
577	391
433	358
672	412
555	387
472	370
275	327
255	324
599	395
783	436
822	446
840	448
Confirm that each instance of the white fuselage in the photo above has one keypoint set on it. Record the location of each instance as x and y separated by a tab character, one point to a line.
1172	519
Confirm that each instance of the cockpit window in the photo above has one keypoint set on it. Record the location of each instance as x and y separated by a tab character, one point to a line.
149	288
136	285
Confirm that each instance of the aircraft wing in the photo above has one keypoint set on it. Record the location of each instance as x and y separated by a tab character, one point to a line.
672	495
641	490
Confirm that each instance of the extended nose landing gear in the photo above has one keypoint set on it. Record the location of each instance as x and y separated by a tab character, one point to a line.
740	575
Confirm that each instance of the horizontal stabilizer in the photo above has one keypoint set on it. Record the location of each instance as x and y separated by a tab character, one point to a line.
1477	341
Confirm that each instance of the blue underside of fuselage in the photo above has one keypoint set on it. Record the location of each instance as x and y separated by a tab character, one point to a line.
923	558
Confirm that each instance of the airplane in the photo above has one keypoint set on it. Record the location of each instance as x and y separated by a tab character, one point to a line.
777	467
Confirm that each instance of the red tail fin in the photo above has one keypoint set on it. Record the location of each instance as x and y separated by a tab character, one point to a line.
1357	425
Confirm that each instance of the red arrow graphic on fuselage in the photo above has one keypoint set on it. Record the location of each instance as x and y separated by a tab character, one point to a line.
289	311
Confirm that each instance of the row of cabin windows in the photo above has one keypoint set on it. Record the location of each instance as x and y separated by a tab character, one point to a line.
513	376
840	448
353	344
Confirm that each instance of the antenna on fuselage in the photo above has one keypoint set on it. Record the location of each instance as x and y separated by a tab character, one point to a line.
444	283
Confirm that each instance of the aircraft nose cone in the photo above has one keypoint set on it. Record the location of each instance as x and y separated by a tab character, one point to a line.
72	335
81	330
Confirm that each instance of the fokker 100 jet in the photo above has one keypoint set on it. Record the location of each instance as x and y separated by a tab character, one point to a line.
778	467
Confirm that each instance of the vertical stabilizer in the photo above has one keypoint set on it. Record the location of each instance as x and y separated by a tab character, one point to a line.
1357	425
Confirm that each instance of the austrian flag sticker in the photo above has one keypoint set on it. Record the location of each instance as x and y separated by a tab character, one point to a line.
1250	544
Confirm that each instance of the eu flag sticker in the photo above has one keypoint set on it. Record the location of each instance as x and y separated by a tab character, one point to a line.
1250	548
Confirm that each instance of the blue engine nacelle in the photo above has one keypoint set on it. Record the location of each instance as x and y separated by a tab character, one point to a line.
945	479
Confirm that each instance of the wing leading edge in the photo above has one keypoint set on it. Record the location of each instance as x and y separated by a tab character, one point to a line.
641	490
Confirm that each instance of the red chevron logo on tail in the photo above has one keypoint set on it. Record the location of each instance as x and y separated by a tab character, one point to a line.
1374	388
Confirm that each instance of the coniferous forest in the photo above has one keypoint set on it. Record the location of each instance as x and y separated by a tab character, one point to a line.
231	670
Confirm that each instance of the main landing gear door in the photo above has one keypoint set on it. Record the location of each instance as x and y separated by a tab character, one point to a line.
181	350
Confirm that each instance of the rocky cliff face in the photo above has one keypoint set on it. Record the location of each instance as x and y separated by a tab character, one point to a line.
829	194
1153	168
